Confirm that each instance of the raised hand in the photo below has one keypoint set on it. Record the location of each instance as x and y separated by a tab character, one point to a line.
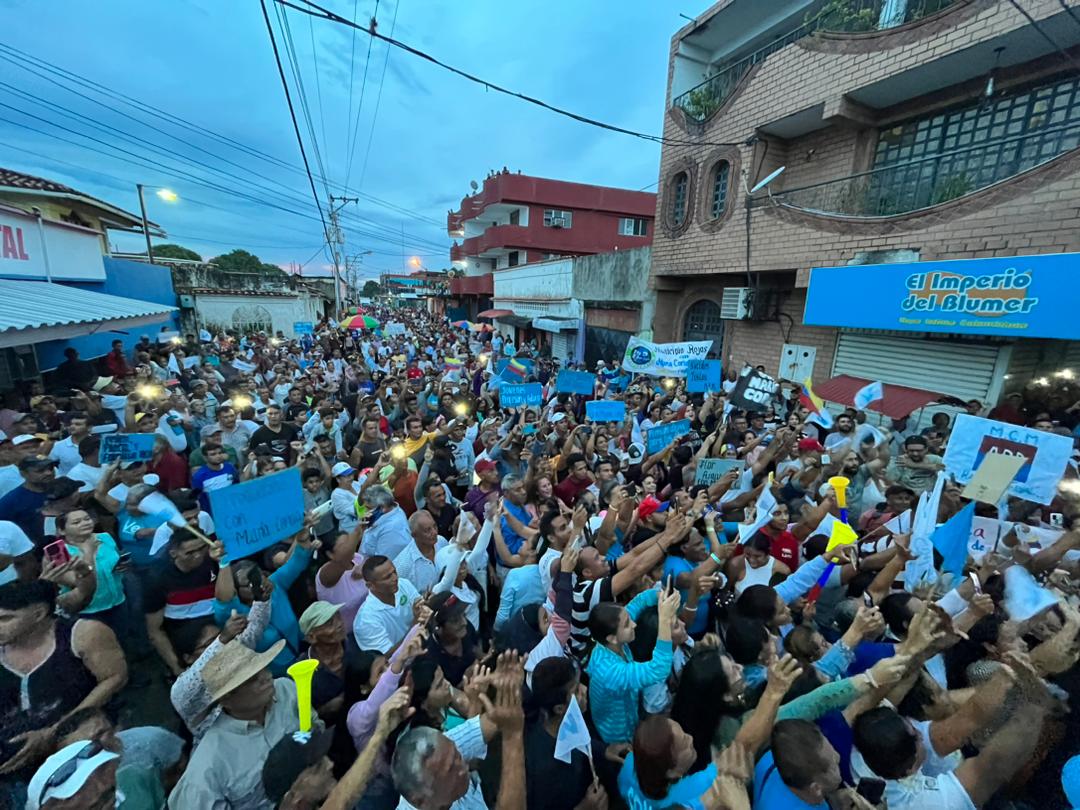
394	711
234	626
782	674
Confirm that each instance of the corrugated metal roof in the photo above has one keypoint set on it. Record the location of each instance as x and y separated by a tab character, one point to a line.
35	304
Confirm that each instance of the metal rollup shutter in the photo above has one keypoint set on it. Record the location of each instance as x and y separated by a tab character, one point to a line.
963	370
562	345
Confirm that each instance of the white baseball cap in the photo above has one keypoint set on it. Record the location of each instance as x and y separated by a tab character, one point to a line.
63	774
342	468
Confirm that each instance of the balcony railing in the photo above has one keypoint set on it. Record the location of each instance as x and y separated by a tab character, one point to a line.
929	181
843	16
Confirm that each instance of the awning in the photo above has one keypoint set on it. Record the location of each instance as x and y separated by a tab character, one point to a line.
35	311
556	324
494	313
899	400
514	320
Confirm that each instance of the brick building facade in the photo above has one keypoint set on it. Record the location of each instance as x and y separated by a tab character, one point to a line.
950	134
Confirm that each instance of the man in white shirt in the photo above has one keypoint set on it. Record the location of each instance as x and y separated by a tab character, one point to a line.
66	451
390	609
89	470
388	532
20	446
15	552
416	562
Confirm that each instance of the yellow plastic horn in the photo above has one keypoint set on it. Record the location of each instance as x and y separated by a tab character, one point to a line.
840	485
303	672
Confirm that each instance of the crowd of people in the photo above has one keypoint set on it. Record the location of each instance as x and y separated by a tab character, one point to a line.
512	606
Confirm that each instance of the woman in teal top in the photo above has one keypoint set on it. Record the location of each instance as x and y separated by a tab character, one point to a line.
102	555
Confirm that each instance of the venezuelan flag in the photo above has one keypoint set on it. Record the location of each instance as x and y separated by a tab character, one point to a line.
813	403
452	364
517	368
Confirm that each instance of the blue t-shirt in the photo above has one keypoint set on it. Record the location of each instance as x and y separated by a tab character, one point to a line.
673	566
770	792
204	480
687	792
512	539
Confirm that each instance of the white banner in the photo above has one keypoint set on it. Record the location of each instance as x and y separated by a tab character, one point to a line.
1046	454
663	359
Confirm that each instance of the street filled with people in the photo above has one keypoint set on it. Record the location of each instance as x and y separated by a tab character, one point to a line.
404	561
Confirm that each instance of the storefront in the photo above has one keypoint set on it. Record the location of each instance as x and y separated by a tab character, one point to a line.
971	329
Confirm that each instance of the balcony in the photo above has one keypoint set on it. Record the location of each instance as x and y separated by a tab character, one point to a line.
924	183
836	16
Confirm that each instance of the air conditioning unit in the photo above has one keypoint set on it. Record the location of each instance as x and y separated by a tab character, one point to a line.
558	222
735	303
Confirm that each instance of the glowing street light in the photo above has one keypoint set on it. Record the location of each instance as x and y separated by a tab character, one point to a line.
167	194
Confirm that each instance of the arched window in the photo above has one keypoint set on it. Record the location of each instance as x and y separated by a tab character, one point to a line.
679	188
252	319
703	322
721	174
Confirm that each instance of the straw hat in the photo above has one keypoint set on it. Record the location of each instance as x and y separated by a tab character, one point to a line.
233	665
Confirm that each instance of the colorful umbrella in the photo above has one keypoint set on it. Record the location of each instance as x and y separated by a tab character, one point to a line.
359	322
460	324
481	327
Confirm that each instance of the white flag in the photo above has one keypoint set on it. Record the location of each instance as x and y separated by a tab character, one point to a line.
867	394
1024	597
173	366
763	509
573	734
922	528
901	524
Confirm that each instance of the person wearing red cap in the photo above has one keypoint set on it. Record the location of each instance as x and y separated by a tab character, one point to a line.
486	489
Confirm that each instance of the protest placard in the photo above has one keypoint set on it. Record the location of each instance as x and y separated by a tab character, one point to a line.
303	328
660	436
702	375
1045	454
521	395
258	513
575	382
126	447
985	535
993	477
191	362
241	365
605	410
662	359
393	329
711	470
754	391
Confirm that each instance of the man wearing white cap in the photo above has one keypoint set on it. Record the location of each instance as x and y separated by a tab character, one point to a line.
82	776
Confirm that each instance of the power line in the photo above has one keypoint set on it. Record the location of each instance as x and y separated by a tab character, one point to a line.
489	85
355	131
318	82
378	99
25	60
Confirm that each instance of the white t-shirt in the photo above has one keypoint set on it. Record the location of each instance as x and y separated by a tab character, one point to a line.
66	454
13	543
90	476
344	503
165	531
379	626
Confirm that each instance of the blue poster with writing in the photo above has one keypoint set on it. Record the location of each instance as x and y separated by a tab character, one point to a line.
660	436
702	375
126	447
256	514
605	410
575	382
521	395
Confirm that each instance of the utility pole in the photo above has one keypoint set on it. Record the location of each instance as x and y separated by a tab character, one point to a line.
336	239
145	224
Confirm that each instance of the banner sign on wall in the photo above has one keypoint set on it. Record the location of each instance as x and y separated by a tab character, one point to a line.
1016	296
663	359
1046	454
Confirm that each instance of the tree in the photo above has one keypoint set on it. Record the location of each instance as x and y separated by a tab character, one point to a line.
240	261
371	289
175	252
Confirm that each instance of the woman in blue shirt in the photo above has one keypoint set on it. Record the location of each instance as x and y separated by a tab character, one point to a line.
136	527
240	584
101	553
615	679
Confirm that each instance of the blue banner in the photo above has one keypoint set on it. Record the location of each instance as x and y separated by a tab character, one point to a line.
303	328
1016	297
711	470
126	447
522	395
702	375
605	410
660	436
258	513
575	382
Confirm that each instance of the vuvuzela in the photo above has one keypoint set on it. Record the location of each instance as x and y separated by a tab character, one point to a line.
303	672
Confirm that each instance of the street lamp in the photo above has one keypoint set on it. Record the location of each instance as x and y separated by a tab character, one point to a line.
749	194
165	194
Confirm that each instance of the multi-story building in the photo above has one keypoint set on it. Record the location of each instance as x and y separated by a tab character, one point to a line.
910	132
515	219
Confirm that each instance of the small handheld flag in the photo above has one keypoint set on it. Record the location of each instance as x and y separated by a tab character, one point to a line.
867	394
573	734
815	404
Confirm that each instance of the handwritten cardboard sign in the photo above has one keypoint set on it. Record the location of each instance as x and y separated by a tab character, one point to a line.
702	375
126	447
711	470
992	477
256	514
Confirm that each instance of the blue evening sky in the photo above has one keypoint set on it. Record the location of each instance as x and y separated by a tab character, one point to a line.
209	63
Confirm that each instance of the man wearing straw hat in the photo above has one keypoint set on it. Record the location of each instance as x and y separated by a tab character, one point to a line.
256	712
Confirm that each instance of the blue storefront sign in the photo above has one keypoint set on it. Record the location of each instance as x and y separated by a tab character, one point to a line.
1016	296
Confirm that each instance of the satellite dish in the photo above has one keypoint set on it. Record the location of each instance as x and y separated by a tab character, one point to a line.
762	183
473	186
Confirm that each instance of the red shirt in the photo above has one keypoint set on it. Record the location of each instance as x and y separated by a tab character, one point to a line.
414	373
569	489
172	469
785	546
